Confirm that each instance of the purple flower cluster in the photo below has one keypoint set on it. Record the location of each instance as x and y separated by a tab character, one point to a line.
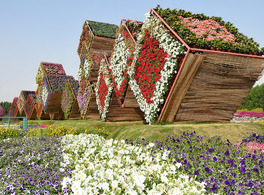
223	168
31	165
2	111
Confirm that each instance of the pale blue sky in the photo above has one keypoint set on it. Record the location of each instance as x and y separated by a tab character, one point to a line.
33	31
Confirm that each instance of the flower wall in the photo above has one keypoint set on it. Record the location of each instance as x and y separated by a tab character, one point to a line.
103	90
122	57
68	97
84	96
85	38
52	84
38	101
153	66
22	100
13	109
30	105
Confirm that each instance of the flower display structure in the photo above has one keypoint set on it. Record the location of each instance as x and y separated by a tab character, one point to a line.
52	84
48	68
22	100
248	117
13	109
208	32
30	105
69	94
2	111
103	90
153	66
122	57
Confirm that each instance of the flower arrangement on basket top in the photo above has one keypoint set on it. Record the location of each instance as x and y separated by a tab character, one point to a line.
122	57
47	68
208	32
103	90
153	66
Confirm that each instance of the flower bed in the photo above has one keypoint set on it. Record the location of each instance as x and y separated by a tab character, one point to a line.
122	57
223	168
69	95
30	105
248	117
153	66
105	166
103	90
47	68
206	32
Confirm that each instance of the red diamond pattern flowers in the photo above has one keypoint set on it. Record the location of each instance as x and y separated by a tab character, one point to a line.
103	90
154	64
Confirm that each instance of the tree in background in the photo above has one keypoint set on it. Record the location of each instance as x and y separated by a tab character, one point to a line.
255	98
6	106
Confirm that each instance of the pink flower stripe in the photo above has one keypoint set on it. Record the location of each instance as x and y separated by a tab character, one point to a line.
249	114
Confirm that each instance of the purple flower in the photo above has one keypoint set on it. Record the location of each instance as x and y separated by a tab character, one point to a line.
215	158
196	172
210	150
243	170
227	153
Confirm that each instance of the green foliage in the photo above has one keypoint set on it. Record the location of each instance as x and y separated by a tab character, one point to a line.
6	106
103	29
255	98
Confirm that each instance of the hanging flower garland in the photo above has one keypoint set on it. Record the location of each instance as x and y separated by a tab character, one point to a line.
47	68
84	96
103	90
154	64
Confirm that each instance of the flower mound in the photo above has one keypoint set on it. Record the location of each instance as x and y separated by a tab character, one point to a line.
103	166
154	64
103	90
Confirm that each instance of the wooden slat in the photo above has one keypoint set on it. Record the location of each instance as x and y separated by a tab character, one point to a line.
92	112
219	87
185	79
102	45
130	100
118	113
